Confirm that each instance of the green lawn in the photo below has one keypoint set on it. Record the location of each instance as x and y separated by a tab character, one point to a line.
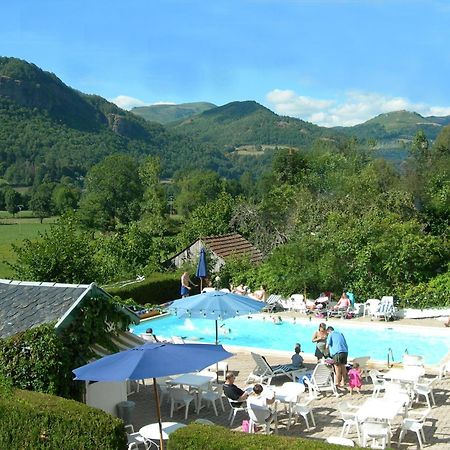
15	232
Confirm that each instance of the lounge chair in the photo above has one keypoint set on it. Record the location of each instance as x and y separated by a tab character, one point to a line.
322	379
264	372
273	304
386	310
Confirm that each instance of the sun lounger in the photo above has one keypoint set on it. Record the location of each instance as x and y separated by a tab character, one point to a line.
386	310
322	379
273	304
264	372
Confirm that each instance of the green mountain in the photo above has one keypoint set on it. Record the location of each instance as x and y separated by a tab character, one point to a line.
165	114
48	129
397	125
239	124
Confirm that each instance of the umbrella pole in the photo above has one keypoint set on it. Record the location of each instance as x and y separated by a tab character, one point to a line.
217	343
201	285
158	413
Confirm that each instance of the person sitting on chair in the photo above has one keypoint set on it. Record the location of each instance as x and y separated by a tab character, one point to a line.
344	302
260	399
297	359
234	393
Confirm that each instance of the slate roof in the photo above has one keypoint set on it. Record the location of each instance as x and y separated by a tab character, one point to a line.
25	305
232	244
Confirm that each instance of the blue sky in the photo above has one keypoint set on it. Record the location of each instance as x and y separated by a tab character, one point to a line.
332	62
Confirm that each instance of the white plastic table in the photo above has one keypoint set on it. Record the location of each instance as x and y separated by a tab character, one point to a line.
194	381
151	432
379	408
410	375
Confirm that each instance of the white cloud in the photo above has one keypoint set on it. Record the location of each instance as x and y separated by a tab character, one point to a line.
126	102
354	107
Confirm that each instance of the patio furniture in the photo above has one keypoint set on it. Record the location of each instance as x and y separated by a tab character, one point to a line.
289	394
212	396
135	439
322	379
298	303
273	304
378	432
340	441
371	306
261	415
235	408
377	381
382	409
180	397
151	432
195	382
414	425
263	372
444	370
425	390
386	309
304	409
350	418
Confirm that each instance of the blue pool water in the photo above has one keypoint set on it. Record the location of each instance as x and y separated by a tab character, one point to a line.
363	340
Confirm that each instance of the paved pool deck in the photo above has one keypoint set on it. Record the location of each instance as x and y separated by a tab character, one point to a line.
328	422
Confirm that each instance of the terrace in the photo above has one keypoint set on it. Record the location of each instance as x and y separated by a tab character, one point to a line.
327	416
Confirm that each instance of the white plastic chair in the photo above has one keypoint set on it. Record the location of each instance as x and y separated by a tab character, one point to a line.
135	439
378	382
414	425
235	409
261	415
211	396
289	394
350	418
180	397
444	370
322	379
378	432
303	408
371	306
426	390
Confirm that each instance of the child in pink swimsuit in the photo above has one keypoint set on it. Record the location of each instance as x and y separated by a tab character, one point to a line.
354	378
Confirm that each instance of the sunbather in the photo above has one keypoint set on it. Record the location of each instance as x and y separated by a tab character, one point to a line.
344	302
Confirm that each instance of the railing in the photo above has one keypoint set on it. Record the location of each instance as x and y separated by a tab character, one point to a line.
390	356
406	351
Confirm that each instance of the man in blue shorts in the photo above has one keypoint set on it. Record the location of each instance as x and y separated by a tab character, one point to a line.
338	349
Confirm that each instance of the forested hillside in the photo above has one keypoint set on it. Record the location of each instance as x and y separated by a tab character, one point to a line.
48	129
165	114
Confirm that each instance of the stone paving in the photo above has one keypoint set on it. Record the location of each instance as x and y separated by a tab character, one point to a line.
328	423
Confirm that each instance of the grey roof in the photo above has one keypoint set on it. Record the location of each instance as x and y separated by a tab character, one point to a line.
24	305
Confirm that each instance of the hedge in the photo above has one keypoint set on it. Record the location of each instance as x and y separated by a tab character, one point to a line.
213	437
32	420
158	288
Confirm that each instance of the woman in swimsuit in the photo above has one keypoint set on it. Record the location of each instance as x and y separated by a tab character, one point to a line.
320	339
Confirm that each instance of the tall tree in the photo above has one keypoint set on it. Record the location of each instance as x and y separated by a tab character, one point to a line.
113	193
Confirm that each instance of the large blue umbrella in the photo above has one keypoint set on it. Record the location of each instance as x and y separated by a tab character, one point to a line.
215	305
152	360
202	268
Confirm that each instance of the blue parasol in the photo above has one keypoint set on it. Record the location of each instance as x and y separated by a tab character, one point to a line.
152	360
215	305
202	268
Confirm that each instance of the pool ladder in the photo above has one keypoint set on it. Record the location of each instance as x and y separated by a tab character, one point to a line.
390	356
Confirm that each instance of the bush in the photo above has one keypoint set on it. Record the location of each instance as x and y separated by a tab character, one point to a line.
31	420
158	288
213	437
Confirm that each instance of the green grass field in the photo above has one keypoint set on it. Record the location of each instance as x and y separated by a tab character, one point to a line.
14	231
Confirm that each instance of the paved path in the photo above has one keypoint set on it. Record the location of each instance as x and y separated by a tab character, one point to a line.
437	426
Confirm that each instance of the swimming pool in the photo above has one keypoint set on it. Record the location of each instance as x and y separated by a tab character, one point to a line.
374	339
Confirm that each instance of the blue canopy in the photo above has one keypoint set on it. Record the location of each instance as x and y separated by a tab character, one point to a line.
152	360
215	305
202	268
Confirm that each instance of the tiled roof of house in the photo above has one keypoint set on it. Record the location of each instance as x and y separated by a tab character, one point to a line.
232	244
24	305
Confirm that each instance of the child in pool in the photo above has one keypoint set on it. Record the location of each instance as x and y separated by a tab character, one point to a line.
354	378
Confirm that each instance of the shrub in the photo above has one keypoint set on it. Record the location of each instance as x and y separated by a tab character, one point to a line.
158	288
31	420
213	437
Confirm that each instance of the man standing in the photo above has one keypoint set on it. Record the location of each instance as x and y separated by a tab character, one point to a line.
338	349
185	285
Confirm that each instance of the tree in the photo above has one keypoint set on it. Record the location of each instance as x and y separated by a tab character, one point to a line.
287	165
12	200
196	189
41	201
65	198
64	254
113	193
